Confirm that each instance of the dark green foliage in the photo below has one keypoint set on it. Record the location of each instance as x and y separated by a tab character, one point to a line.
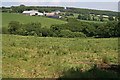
110	29
79	16
46	32
72	29
33	28
78	34
21	8
69	14
18	9
69	10
13	27
111	18
66	34
83	17
90	11
89	30
30	29
101	18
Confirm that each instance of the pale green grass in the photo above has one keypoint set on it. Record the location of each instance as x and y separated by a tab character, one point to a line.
28	56
7	17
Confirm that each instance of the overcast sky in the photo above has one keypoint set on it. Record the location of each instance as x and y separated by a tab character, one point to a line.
92	4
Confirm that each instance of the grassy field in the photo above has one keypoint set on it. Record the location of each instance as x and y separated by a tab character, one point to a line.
7	17
98	22
46	57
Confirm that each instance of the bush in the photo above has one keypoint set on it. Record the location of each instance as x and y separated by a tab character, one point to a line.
70	34
32	28
46	32
65	33
13	27
79	34
69	30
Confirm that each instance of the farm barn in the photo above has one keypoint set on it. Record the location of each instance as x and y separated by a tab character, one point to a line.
105	16
54	14
32	13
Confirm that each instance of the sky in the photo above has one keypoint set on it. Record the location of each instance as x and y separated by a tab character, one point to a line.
111	5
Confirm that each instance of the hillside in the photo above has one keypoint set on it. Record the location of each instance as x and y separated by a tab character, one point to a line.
33	57
91	11
7	17
20	9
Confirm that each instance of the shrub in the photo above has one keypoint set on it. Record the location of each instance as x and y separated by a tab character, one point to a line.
13	27
65	33
46	32
70	34
32	28
79	34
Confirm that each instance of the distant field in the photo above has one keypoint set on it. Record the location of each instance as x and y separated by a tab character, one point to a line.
46	57
7	17
99	22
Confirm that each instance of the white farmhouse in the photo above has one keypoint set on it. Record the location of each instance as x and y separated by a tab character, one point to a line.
32	13
105	16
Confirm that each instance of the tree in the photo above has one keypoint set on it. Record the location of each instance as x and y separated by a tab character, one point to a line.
89	17
33	28
65	33
22	5
13	27
101	17
78	34
79	16
111	18
46	32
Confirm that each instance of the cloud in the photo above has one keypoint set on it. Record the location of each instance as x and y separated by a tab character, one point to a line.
60	0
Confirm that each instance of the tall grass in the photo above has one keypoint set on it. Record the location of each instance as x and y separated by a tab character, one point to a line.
29	56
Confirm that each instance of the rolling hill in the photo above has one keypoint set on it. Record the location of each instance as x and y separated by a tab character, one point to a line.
47	57
7	17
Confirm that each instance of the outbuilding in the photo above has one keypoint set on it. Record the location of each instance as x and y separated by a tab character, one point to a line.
32	13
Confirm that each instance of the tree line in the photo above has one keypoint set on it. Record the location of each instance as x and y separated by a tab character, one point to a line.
71	29
90	11
21	8
96	18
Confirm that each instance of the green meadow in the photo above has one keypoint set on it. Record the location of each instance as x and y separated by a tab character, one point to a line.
54	57
46	22
48	57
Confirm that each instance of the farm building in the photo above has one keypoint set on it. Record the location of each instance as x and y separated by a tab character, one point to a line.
53	14
98	15
49	14
57	12
32	13
105	16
